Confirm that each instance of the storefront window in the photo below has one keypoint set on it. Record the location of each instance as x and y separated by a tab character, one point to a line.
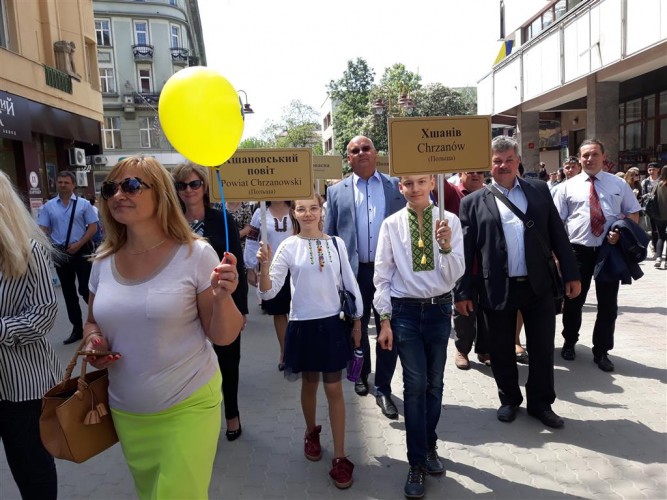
650	106
649	143
633	135
633	110
7	159
663	103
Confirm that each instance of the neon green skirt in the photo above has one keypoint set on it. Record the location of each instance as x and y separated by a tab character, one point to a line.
170	453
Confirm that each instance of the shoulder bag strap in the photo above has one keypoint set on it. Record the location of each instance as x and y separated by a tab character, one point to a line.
340	264
71	221
522	217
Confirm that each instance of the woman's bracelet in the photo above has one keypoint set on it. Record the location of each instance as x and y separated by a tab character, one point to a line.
93	333
445	251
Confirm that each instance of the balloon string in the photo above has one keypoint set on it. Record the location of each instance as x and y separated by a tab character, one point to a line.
223	209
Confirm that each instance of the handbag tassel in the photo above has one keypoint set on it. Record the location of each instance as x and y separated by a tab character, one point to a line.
92	418
101	410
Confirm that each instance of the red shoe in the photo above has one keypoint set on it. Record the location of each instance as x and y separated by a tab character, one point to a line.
341	472
312	448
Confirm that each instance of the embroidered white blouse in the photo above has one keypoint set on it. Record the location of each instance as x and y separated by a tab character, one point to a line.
315	271
403	269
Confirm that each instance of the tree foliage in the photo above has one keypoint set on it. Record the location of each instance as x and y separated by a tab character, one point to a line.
298	127
253	143
350	95
355	93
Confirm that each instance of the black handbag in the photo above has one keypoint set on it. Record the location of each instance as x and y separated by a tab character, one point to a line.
348	305
651	203
556	278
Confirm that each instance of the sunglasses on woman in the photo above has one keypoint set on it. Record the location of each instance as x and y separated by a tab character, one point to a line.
130	186
182	186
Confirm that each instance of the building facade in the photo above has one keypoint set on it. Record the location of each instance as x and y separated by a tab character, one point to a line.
140	44
580	69
50	101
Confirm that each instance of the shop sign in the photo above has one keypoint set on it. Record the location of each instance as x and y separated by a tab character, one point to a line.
14	117
33	180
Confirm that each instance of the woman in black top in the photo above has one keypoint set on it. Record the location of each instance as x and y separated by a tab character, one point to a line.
192	186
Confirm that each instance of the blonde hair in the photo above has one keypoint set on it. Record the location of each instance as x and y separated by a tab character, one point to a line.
17	232
183	171
168	208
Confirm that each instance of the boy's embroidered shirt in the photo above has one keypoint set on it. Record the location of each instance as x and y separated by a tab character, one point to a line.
422	255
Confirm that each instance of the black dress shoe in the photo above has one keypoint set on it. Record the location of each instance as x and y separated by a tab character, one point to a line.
361	387
507	413
74	337
604	363
234	435
387	406
567	352
548	418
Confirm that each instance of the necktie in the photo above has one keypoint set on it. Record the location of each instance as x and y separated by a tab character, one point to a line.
597	217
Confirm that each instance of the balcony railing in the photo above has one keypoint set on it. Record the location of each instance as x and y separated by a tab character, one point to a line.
193	61
142	52
146	99
58	79
179	55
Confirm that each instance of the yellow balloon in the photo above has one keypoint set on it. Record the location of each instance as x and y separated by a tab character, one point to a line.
200	113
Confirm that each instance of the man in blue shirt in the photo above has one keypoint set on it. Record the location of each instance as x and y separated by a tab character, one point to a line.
70	222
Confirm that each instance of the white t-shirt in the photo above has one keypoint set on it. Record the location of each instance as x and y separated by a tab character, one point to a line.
154	324
314	288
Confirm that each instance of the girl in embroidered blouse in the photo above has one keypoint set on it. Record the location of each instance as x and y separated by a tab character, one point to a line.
278	228
317	339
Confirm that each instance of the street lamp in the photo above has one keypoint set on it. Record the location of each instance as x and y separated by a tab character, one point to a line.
247	110
404	102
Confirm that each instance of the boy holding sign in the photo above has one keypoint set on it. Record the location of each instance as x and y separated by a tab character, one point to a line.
419	259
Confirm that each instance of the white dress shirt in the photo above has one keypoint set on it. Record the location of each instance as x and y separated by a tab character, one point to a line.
514	229
369	206
572	201
394	263
314	288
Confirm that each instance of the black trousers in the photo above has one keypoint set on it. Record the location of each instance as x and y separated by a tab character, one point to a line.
539	319
471	328
229	358
607	297
32	467
385	360
70	269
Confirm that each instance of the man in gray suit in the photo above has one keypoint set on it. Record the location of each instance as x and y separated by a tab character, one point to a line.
356	207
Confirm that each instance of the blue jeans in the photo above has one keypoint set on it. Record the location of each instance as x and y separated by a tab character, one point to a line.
421	332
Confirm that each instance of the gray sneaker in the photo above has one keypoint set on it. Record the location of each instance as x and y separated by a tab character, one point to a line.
434	464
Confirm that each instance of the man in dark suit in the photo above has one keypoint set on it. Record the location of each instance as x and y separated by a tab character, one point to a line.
356	207
514	266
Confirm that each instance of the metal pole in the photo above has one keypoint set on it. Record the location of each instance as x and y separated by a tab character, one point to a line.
441	195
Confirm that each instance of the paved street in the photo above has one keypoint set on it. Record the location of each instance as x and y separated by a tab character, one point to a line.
613	445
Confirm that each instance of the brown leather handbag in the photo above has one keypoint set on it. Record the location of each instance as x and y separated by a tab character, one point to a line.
75	423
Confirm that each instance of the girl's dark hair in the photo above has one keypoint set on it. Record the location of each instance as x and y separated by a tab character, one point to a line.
296	227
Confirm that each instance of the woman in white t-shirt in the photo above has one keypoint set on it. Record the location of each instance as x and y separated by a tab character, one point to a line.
158	294
317	339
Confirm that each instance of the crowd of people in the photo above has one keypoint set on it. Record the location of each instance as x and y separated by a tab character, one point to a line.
167	294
